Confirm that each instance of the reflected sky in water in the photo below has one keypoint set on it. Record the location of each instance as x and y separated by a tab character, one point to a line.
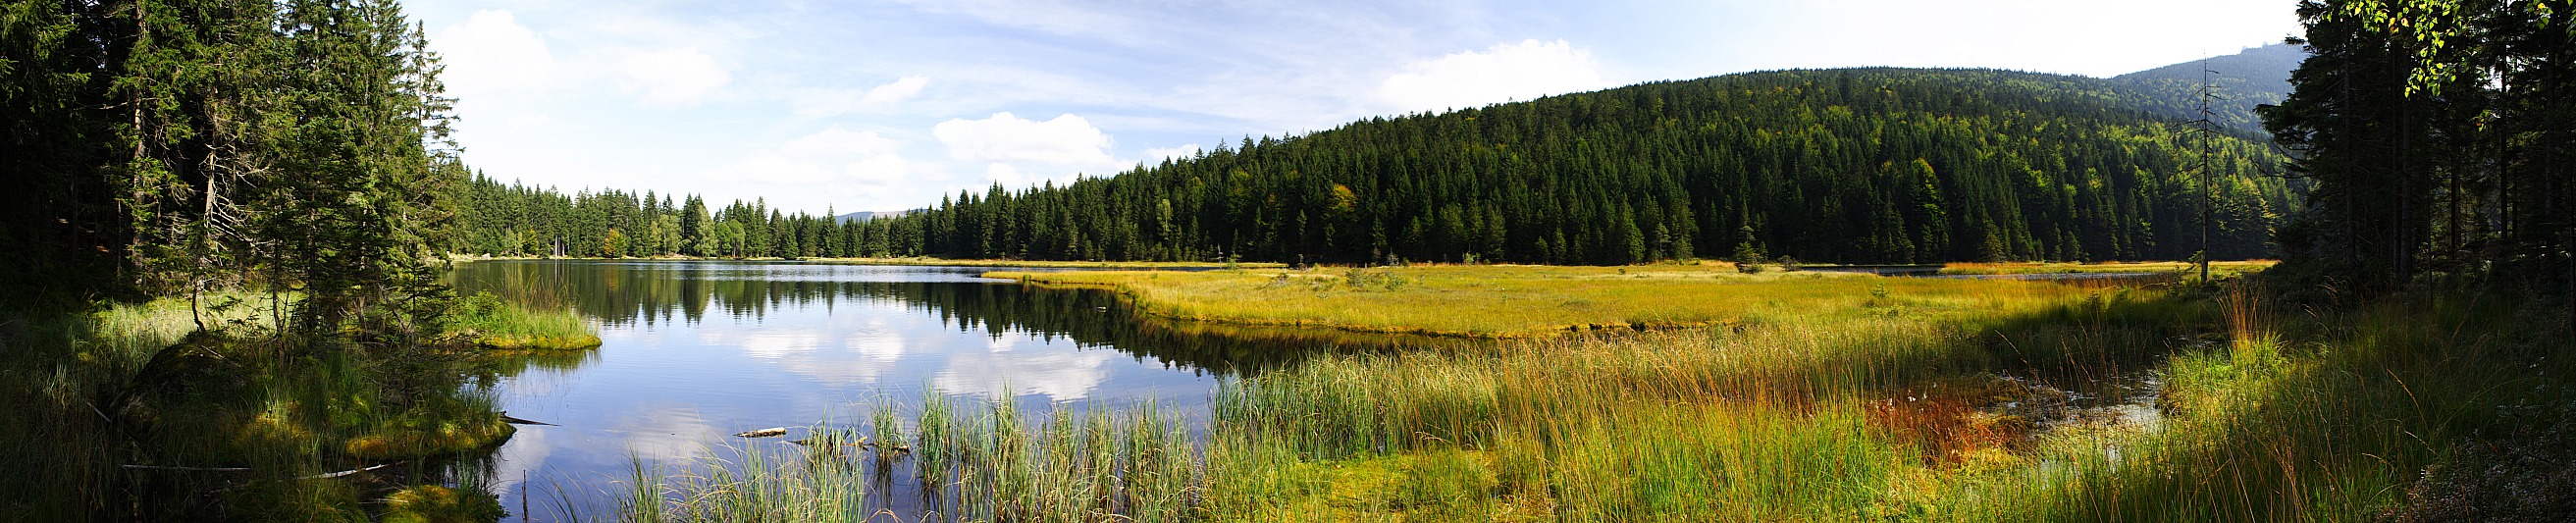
697	351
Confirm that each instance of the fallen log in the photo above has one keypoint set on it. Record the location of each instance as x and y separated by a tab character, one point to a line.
506	418
771	432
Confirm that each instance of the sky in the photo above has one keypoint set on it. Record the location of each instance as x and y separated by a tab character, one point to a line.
844	106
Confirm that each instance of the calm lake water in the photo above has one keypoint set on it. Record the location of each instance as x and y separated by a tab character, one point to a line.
695	352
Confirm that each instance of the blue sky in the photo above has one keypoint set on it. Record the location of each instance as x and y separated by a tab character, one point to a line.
886	105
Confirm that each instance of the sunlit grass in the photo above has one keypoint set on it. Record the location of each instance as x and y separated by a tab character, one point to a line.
498	324
1527	301
946	262
2216	269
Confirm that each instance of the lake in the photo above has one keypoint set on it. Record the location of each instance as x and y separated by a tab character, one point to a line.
697	351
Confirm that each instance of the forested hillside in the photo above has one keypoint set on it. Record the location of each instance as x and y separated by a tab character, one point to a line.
1864	165
2242	82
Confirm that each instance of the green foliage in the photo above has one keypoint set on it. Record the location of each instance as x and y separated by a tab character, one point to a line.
2437	132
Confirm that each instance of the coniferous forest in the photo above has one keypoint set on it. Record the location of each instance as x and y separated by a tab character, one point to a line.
1852	166
230	259
170	147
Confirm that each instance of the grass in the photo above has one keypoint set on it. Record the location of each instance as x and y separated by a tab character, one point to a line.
2264	416
945	262
496	324
1522	301
986	462
133	412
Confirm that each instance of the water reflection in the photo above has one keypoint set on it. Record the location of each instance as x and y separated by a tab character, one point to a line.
696	351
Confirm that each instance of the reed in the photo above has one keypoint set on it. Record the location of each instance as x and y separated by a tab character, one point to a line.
987	463
497	324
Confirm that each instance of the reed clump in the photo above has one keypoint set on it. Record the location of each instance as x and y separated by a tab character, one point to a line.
987	462
492	323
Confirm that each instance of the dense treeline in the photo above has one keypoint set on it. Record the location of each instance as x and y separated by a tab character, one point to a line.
161	147
518	220
2438	134
1874	165
1870	165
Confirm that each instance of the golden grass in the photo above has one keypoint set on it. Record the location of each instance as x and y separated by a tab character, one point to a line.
1505	301
945	262
2216	269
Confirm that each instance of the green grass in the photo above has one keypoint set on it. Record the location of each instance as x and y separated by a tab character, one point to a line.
493	323
987	462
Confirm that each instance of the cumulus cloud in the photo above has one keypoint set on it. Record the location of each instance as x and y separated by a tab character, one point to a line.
840	101
844	165
1017	148
492	52
1067	139
678	76
1185	151
1506	72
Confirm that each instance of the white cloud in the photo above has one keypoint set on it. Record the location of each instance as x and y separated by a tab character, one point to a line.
893	93
840	101
678	76
1067	139
1506	72
491	52
835	165
1185	151
836	140
1055	149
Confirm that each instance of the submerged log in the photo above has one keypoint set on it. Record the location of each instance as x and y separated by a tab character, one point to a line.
506	418
771	432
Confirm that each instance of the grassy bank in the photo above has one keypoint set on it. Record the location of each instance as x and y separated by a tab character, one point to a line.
1988	401
1528	301
133	412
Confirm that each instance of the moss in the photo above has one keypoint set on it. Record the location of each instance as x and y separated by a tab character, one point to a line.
437	504
407	440
556	343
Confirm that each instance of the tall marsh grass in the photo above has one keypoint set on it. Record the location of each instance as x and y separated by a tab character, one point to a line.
987	462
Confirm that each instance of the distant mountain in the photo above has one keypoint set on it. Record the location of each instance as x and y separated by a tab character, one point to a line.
862	216
2247	79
